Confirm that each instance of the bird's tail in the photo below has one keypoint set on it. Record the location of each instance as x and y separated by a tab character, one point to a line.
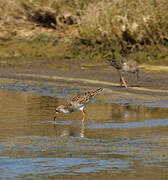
95	92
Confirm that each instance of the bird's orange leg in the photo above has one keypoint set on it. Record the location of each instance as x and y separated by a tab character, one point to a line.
84	114
123	80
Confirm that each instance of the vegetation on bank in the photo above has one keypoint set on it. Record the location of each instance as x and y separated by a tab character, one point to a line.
90	29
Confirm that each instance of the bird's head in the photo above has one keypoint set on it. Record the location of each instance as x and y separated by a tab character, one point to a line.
107	58
60	109
108	61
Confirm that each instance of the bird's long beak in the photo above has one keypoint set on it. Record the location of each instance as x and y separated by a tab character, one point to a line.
55	116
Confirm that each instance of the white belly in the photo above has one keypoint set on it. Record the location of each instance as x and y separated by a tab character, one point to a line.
79	108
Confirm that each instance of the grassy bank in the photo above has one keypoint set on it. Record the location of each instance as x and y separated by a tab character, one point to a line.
90	29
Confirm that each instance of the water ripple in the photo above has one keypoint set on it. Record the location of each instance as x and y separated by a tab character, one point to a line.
141	124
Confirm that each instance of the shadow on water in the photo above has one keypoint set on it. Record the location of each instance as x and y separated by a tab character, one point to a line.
117	140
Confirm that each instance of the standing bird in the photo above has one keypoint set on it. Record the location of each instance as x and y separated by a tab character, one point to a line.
77	102
122	66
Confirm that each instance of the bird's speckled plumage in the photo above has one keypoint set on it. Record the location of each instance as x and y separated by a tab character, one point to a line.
81	99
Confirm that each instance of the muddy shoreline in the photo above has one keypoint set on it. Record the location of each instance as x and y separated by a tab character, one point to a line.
152	85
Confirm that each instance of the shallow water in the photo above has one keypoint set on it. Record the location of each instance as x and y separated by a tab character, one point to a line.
118	140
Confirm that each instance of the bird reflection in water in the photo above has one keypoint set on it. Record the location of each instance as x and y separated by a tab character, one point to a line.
70	130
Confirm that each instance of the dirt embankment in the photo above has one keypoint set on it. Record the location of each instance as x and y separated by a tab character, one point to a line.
34	29
27	19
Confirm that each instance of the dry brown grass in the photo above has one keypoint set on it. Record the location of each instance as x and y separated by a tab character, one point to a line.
129	25
93	28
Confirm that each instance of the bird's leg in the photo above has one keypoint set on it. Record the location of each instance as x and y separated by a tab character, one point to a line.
123	80
83	116
121	83
137	74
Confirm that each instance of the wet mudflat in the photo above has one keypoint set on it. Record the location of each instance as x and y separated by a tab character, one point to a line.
120	141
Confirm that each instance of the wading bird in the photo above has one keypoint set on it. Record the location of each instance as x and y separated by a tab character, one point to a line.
77	102
123	65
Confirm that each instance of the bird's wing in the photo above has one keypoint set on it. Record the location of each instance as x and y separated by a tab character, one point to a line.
80	98
84	97
117	63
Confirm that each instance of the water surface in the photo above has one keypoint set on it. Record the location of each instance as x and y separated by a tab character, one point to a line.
118	140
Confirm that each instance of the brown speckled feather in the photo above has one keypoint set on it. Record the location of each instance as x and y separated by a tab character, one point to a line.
82	98
117	63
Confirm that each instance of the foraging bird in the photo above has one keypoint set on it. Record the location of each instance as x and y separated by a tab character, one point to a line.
123	65
77	102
